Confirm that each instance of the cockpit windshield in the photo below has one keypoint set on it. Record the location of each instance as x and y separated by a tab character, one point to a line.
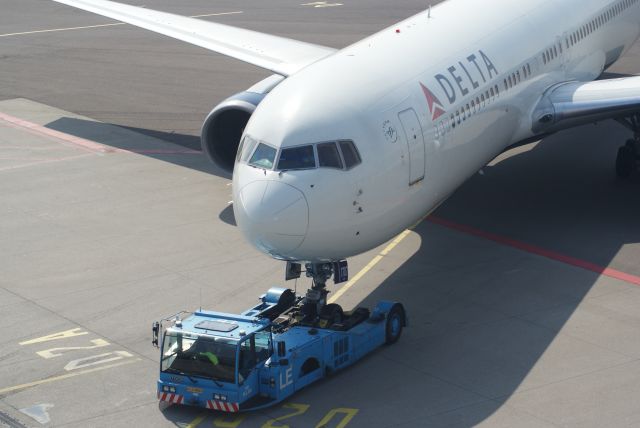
341	154
202	356
328	156
263	156
297	158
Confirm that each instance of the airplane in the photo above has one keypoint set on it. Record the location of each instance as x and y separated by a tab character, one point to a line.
340	150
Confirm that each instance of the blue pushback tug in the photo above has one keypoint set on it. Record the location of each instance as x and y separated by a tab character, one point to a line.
243	362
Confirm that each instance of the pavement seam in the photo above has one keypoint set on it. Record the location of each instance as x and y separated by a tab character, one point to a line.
579	339
462	387
104	414
534	388
504	403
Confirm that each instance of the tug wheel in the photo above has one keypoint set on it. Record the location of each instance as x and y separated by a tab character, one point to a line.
332	313
395	322
632	145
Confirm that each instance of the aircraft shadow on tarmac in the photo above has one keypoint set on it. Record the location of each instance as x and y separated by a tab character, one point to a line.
483	314
227	216
167	145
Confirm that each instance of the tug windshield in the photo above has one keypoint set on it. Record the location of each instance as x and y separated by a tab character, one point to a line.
193	355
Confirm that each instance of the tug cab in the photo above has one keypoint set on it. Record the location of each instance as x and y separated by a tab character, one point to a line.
209	359
253	360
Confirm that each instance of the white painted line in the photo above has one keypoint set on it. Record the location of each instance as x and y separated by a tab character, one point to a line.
41	162
60	29
322	4
53	30
39	413
217	14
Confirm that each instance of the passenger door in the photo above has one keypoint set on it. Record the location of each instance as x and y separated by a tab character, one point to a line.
412	131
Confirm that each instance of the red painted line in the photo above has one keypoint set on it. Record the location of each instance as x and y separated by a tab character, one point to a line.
612	273
85	144
161	152
61	136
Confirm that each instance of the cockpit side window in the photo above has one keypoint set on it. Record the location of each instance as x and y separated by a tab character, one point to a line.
239	152
297	158
263	156
246	146
349	154
328	156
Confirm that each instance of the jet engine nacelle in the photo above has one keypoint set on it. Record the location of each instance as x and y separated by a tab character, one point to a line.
223	127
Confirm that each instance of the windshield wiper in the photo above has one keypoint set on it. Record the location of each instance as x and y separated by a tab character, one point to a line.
172	370
204	375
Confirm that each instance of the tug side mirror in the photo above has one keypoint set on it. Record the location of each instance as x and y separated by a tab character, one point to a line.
155	330
282	349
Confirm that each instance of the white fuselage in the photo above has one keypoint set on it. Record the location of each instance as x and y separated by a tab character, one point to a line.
427	103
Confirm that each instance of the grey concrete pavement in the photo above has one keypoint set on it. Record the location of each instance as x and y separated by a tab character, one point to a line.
98	244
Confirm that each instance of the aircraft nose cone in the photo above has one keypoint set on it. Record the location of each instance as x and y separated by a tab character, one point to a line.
274	216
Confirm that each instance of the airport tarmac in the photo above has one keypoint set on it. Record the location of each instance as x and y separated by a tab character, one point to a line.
523	289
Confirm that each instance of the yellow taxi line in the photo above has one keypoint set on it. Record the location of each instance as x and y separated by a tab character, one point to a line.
369	266
194	423
65	376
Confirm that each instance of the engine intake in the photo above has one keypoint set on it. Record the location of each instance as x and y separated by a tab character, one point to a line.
223	127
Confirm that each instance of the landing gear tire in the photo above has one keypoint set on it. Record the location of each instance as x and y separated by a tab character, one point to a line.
395	322
625	162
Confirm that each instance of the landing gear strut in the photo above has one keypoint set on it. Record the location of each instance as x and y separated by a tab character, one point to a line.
316	297
314	310
628	159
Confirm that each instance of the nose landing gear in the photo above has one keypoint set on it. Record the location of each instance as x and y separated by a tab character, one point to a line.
314	310
316	298
628	159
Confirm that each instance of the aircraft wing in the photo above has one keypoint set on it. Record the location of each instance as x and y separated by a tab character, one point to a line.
278	54
576	103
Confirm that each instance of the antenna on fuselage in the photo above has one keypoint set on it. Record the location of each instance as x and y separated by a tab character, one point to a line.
429	15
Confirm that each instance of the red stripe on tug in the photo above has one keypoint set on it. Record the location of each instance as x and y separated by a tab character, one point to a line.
170	398
222	406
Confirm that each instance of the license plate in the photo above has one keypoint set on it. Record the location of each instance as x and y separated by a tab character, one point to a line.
194	390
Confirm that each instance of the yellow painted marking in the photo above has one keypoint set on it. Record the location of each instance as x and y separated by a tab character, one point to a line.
299	409
56	352
64	376
53	30
370	265
55	336
348	415
197	421
94	360
222	422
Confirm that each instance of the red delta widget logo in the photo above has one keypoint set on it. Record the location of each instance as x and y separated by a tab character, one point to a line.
435	106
